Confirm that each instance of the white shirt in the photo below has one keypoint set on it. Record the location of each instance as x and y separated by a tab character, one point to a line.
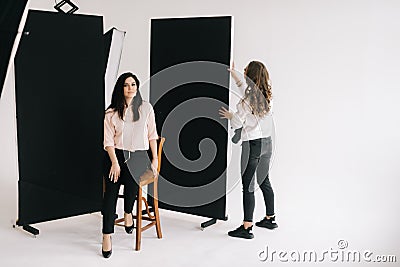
127	134
254	127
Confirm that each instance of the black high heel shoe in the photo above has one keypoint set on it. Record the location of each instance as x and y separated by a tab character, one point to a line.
129	229
106	254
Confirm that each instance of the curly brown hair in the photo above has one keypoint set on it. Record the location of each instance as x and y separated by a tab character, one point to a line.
258	93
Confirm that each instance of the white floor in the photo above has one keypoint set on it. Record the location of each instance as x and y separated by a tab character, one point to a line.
76	241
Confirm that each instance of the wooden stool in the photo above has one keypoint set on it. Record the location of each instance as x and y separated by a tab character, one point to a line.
146	179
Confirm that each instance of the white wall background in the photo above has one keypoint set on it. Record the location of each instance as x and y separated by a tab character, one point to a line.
334	66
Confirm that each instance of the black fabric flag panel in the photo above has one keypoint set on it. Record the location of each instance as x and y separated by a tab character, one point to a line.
59	76
10	17
189	83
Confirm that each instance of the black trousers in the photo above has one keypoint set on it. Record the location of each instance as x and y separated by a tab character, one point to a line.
255	159
131	170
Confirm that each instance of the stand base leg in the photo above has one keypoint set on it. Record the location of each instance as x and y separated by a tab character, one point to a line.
209	223
29	229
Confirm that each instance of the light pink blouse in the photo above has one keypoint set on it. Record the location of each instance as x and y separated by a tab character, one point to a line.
127	134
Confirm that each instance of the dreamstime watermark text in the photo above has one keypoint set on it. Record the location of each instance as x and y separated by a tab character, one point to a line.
339	254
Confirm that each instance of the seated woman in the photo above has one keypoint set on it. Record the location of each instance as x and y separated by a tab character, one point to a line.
129	129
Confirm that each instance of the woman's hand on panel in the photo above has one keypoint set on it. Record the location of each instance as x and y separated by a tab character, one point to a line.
233	72
225	114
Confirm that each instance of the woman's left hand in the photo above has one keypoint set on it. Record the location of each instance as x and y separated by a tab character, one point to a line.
225	114
154	167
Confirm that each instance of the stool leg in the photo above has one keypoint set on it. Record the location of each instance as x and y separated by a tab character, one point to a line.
157	215
139	219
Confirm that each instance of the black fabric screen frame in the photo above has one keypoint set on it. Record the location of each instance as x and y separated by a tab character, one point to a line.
59	83
178	41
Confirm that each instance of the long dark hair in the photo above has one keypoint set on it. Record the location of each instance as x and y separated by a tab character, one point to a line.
118	102
258	91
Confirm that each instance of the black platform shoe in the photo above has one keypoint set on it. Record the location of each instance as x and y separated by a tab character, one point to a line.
242	232
267	223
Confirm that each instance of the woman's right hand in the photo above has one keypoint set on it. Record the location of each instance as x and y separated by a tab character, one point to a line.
114	172
233	72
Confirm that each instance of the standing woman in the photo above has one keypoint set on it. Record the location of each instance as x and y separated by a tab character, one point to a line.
254	114
129	129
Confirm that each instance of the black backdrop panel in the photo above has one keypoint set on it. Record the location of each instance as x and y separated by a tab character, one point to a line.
191	94
59	72
10	16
